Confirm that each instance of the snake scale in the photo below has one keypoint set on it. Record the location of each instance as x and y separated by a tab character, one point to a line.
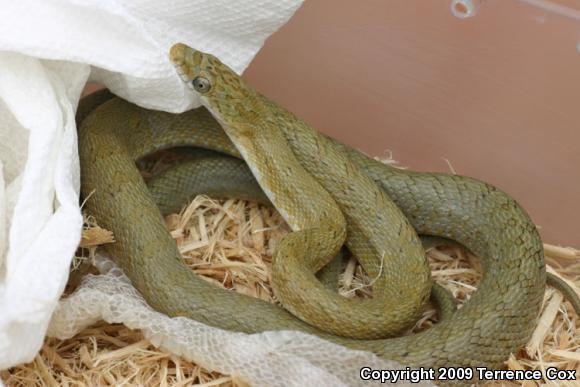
329	194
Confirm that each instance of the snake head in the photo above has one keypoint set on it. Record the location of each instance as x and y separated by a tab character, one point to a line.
220	89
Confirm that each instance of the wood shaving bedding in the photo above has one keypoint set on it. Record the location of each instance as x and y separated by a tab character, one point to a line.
230	244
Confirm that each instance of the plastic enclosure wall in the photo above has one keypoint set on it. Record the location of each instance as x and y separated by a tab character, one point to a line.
497	94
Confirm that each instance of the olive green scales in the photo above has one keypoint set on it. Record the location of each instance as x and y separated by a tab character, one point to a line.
329	194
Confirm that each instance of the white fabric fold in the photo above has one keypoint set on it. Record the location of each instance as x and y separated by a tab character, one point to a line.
45	224
48	51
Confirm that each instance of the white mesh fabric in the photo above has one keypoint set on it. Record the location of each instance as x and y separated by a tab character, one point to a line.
266	359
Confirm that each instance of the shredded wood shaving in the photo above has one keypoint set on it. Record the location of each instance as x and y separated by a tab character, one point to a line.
96	236
230	244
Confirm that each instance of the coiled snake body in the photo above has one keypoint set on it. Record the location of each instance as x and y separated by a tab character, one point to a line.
326	192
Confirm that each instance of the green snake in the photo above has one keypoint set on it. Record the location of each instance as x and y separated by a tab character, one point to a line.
330	195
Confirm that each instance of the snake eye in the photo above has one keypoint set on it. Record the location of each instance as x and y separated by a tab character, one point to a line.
201	84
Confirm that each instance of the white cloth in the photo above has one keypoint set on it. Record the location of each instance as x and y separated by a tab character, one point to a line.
48	50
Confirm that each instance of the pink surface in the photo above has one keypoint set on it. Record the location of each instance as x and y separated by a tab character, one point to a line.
498	95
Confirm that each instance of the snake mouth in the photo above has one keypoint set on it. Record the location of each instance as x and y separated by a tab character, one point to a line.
182	74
